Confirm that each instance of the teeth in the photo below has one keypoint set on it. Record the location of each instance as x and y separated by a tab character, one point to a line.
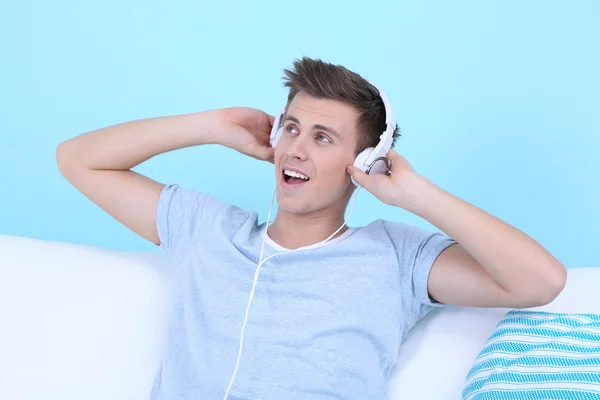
295	174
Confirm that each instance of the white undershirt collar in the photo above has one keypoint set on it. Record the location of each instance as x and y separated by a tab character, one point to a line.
276	246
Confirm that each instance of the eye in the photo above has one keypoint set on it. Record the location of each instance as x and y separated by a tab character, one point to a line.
291	128
323	138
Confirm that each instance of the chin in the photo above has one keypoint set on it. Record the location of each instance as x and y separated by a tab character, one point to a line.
295	204
289	207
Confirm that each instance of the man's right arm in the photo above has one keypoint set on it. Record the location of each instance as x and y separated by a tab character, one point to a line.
99	163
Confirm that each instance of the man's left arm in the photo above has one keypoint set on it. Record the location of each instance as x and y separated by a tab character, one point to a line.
492	264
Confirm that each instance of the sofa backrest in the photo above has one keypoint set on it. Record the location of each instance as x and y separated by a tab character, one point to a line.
79	322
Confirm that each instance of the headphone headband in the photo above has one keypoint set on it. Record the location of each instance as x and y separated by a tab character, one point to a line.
390	117
386	138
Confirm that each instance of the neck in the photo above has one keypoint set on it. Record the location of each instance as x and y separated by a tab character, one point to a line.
292	231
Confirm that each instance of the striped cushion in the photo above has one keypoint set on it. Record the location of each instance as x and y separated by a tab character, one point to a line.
538	355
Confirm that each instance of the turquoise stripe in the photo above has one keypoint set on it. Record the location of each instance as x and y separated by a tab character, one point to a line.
527	313
534	361
514	348
536	394
546	332
563	321
542	377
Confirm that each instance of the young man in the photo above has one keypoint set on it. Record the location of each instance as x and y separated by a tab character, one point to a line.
325	322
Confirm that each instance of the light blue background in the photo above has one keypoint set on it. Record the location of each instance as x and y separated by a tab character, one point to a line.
498	101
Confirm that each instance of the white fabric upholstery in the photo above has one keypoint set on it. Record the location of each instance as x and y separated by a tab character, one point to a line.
78	322
440	350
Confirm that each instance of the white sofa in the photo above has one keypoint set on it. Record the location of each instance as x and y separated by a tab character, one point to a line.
78	322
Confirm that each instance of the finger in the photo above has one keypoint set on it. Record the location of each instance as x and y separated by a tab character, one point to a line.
395	158
259	151
270	160
359	177
392	154
267	153
271	155
271	120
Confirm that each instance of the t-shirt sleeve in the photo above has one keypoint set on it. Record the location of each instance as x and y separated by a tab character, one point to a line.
417	250
183	213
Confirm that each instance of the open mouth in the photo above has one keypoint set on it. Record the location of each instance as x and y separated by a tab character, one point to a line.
294	178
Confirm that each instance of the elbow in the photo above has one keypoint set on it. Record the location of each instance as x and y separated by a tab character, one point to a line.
557	282
552	285
61	154
64	157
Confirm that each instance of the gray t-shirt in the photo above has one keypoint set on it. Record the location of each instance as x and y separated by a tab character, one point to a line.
325	323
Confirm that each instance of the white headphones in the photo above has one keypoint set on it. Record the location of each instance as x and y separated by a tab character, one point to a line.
366	160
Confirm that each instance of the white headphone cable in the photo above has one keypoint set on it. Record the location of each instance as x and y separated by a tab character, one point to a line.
256	273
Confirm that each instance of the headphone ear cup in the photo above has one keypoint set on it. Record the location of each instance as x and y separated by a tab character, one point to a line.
360	161
276	130
275	137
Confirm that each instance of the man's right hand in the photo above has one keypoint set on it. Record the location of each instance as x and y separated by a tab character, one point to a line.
247	130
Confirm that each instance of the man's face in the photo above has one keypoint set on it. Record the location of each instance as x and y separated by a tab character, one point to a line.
318	140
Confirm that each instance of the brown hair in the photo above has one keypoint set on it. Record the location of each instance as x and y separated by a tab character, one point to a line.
325	80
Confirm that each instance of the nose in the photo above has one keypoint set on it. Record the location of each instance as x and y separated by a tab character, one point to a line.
297	147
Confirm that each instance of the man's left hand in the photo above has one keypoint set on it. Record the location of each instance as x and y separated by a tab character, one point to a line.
394	189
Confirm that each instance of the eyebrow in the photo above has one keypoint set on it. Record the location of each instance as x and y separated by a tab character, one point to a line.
317	126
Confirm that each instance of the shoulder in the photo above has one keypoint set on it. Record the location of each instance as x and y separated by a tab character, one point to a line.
180	204
186	200
408	240
395	230
184	212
